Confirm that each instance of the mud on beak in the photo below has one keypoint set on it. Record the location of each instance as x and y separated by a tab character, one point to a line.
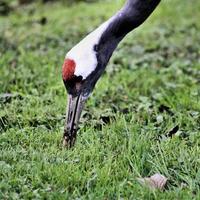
74	109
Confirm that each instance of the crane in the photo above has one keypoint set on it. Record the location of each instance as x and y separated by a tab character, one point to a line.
84	63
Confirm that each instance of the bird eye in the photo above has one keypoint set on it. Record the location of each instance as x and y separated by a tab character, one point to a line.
79	78
74	84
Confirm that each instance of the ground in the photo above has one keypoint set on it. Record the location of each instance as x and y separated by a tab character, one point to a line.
143	117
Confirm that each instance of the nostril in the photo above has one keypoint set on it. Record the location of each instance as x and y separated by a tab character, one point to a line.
71	113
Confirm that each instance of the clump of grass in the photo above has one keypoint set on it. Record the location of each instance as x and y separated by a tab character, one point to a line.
145	122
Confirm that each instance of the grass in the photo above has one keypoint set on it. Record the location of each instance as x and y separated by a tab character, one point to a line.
143	117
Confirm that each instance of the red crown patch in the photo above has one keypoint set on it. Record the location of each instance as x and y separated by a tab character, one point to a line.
68	69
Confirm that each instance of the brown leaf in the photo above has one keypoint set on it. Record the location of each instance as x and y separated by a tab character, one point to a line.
157	181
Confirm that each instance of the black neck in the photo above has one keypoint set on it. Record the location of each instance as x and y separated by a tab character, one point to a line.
133	14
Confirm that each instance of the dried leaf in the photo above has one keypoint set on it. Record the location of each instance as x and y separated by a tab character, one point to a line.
157	181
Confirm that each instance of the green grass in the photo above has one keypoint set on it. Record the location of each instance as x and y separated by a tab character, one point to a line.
150	88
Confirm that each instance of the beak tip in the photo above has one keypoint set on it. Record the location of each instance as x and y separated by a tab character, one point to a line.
65	142
68	142
74	109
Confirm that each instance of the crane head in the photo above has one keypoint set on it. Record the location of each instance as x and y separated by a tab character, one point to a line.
81	69
78	91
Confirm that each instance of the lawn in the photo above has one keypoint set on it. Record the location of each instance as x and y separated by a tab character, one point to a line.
143	117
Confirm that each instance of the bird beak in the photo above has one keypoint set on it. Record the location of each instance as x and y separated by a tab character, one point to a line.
74	109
